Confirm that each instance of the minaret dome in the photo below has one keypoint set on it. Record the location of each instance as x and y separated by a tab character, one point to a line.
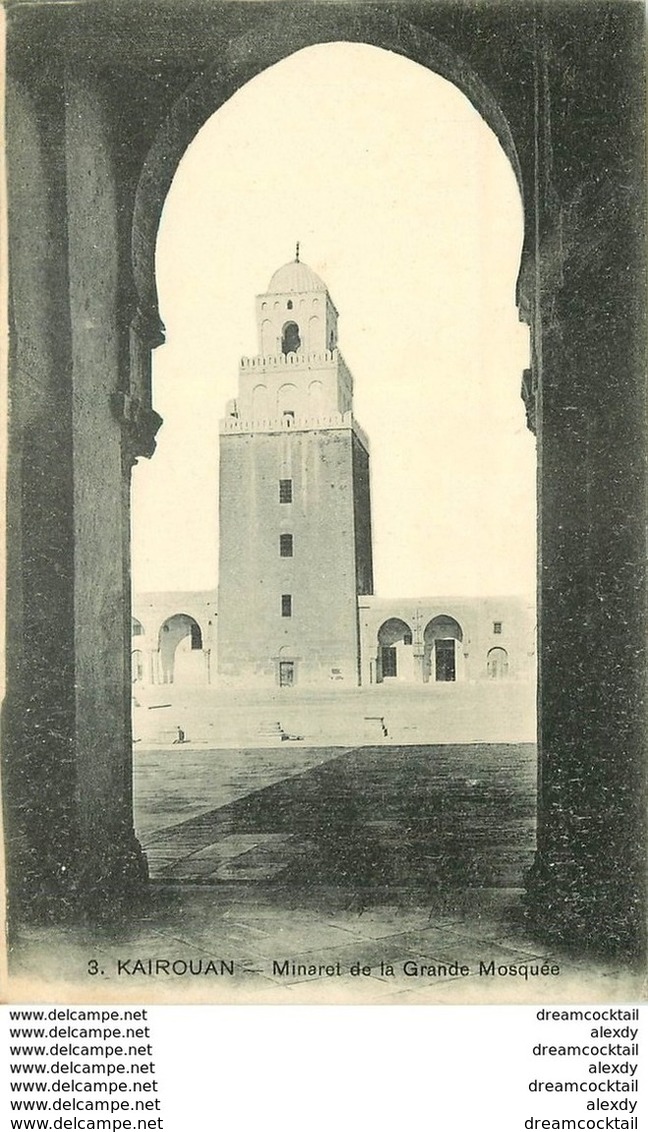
296	315
295	277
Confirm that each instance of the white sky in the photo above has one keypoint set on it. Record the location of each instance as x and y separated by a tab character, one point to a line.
405	204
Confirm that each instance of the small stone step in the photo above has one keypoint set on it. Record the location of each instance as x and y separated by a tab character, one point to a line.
267	729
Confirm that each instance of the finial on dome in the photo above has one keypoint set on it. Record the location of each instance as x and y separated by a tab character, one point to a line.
297	252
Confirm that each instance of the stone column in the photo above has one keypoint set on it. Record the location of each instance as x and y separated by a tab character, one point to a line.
587	886
77	425
109	427
39	773
583	289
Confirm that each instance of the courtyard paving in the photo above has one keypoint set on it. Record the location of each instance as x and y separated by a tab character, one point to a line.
370	820
362	874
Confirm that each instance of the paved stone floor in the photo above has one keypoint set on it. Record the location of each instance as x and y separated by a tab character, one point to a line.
276	877
369	820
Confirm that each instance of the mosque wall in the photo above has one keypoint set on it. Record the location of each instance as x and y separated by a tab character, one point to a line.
498	642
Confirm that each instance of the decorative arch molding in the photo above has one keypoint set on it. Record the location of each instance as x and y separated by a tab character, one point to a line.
497	663
392	630
173	631
183	621
244	57
442	627
394	640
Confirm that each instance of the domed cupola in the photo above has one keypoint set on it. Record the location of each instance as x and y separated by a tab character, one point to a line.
295	277
296	314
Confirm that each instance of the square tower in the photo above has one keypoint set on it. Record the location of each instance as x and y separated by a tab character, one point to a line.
295	511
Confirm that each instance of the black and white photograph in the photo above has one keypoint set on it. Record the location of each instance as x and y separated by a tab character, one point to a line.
325	510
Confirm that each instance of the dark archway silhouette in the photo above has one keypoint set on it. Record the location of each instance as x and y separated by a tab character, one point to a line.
394	635
108	97
290	338
214	87
440	659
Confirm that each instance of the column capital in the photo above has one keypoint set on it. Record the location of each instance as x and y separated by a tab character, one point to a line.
139	426
148	327
529	392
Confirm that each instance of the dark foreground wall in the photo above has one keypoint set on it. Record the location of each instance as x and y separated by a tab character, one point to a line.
102	101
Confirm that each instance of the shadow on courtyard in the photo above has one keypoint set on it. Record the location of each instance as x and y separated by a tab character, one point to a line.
405	856
371	822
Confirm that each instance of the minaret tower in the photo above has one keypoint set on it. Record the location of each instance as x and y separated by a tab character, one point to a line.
295	514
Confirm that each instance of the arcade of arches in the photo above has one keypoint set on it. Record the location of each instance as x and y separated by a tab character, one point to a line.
173	637
401	641
102	102
432	657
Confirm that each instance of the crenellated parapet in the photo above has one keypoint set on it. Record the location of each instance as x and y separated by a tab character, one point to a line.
303	383
291	361
288	423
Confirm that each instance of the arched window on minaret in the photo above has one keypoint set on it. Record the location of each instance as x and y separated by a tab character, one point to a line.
315	398
286	399
314	338
268	338
290	339
260	402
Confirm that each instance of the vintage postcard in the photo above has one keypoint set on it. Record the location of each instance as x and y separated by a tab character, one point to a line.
325	510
